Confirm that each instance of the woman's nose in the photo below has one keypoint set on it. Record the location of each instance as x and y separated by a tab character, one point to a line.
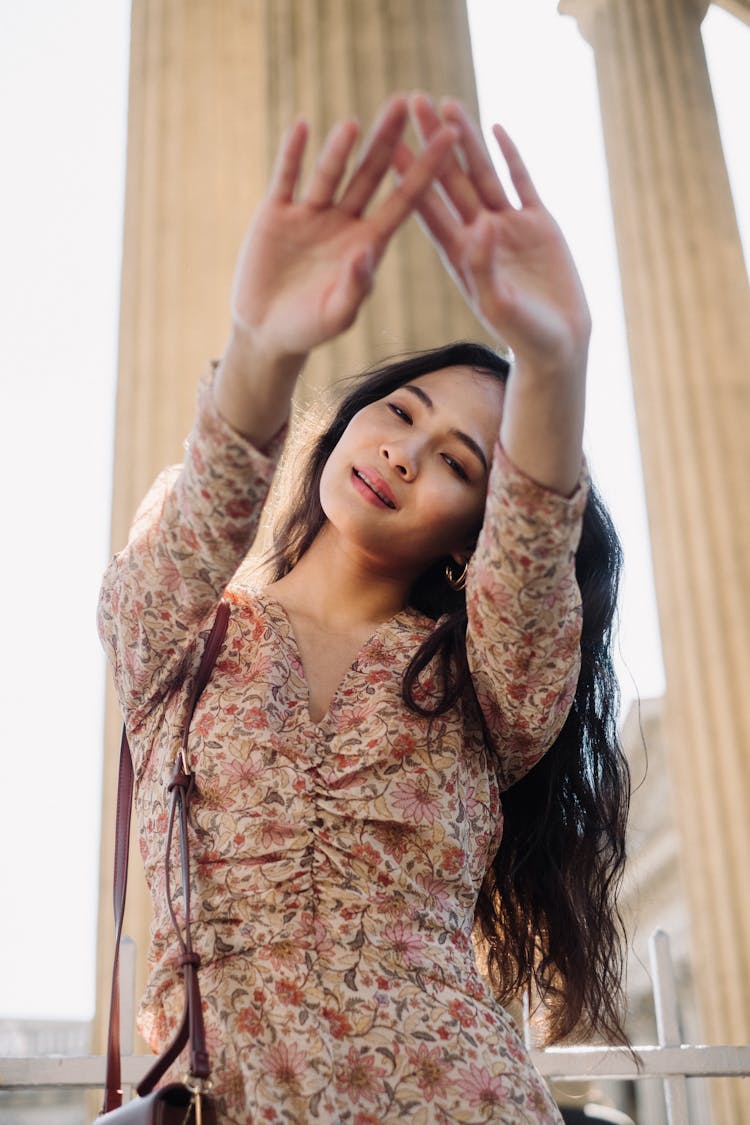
400	458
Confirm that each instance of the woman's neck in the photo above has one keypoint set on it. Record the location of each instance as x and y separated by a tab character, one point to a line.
341	587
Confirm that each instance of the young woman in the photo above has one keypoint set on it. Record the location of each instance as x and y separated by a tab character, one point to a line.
407	742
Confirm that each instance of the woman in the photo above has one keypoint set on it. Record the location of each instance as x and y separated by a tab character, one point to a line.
384	704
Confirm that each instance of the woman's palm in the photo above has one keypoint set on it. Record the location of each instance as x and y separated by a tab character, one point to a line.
512	263
307	263
302	273
519	278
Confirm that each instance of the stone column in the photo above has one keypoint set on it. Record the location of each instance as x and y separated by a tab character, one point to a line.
687	307
213	84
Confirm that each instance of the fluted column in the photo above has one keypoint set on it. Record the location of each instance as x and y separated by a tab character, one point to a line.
213	84
687	308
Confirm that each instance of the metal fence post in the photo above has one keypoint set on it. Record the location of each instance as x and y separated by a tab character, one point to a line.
668	1022
127	1004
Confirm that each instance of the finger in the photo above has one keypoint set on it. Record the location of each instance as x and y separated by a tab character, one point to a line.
376	157
415	183
331	164
436	216
457	185
288	162
481	170
519	173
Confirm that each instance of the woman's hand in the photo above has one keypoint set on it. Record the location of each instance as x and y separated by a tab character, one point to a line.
515	270
308	259
511	263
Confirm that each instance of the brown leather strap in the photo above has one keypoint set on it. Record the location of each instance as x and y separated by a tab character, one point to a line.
113	1088
181	788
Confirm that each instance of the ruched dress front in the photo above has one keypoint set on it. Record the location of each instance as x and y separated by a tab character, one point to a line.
336	864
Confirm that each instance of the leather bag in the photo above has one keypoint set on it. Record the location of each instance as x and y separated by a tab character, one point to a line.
177	1103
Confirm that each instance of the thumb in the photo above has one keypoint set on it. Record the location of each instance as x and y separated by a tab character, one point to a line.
354	285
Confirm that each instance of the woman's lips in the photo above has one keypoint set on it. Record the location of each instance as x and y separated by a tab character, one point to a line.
373	488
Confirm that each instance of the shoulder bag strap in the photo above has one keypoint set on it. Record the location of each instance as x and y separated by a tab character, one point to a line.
181	789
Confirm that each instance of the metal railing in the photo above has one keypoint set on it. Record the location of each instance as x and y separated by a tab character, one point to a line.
670	1060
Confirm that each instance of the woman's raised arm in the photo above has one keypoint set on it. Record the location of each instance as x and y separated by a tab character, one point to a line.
308	260
516	272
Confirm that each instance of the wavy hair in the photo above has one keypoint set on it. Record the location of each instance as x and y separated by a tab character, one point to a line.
546	916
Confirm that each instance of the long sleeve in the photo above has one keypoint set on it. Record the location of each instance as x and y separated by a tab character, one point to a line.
190	535
524	614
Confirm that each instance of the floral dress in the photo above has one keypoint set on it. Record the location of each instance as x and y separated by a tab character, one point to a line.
336	864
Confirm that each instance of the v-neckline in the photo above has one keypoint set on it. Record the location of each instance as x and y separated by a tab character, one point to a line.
290	637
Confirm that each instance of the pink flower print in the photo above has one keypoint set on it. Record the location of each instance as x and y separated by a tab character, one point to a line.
258	669
359	1078
431	1071
205	724
436	892
285	1063
415	798
480	1088
196	459
241	772
470	802
169	576
404	941
311	933
189	538
357	715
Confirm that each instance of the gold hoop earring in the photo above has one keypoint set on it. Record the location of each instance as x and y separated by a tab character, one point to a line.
456	584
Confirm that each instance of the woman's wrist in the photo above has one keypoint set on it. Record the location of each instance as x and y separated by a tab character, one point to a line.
253	386
542	424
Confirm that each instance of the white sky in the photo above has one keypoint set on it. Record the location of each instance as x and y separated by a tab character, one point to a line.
63	85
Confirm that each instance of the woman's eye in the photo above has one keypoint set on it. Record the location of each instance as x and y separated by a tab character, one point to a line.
400	412
456	467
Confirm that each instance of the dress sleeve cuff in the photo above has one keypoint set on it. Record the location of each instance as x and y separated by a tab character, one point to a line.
528	493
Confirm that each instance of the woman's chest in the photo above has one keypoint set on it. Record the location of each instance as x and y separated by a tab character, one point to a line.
325	659
297	716
267	771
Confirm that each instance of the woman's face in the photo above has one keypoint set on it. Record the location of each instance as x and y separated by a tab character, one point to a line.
407	482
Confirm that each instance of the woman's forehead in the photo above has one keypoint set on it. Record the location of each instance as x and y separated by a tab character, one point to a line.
474	396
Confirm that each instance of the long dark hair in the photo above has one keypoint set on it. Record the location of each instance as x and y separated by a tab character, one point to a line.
546	915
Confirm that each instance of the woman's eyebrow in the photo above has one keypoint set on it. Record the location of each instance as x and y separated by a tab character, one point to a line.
469	442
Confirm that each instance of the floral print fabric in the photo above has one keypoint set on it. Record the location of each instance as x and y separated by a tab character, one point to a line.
336	865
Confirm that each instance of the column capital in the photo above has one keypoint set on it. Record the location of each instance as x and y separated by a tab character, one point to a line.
586	11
